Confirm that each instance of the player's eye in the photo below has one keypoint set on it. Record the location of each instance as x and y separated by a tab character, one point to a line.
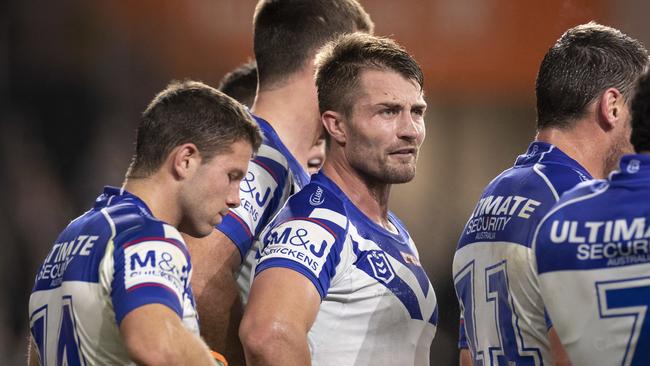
388	112
418	112
234	176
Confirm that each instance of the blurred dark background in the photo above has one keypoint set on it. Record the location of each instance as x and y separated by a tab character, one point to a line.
75	75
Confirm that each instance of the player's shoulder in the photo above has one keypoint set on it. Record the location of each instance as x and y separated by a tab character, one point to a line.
132	222
561	175
313	199
573	204
581	193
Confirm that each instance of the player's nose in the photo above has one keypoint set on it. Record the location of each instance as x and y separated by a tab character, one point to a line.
232	198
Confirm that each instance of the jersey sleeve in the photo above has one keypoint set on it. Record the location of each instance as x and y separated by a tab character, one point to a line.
309	246
151	270
261	191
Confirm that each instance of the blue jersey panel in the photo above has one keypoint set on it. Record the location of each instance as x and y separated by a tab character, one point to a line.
516	200
599	224
76	253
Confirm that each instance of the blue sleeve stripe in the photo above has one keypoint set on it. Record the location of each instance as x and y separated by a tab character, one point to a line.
237	231
123	309
289	264
242	223
152	284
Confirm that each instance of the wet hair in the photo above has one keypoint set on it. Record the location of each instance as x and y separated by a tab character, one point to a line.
587	60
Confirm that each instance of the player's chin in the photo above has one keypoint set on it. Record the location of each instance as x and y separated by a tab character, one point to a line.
403	173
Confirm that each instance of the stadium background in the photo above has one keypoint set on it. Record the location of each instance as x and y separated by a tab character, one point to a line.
75	75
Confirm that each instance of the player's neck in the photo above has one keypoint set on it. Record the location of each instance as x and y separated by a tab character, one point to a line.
292	110
155	193
371	198
581	144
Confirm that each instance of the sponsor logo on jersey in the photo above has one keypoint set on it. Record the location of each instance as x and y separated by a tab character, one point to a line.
155	262
633	166
62	254
303	241
493	213
621	241
316	198
255	189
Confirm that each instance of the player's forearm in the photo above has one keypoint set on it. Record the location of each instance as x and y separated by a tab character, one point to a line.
220	312
179	347
465	357
560	356
32	355
215	259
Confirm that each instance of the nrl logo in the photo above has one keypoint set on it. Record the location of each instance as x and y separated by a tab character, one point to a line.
316	198
380	266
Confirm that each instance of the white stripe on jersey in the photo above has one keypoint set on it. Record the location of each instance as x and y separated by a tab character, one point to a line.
273	154
548	182
327	214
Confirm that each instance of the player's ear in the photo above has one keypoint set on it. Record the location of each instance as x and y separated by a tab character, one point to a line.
185	159
609	108
335	126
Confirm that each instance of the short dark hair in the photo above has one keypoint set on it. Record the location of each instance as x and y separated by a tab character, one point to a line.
241	83
190	112
339	65
583	63
641	115
287	33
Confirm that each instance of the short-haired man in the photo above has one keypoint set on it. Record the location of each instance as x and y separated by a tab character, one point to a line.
287	35
593	258
339	281
114	288
241	83
583	87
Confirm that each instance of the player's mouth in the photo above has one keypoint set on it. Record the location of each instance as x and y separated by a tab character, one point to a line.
405	152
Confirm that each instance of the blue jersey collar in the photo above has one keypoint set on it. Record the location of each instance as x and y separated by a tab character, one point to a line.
401	236
634	167
542	152
113	195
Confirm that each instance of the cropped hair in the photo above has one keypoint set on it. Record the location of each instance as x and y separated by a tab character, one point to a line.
190	112
287	33
641	115
241	83
587	60
340	63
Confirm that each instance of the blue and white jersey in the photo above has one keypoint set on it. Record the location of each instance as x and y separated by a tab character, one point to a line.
501	307
593	261
377	301
109	261
273	175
